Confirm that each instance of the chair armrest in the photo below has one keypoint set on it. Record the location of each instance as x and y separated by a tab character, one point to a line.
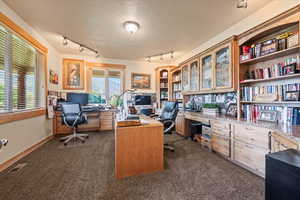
170	126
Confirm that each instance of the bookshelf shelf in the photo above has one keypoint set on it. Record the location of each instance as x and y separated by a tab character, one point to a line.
275	102
272	55
177	81
271	79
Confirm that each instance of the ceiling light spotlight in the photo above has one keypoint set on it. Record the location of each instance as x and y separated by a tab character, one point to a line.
97	54
242	4
65	41
81	48
161	57
148	59
131	26
172	55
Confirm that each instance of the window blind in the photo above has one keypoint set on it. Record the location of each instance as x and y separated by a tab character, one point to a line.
19	83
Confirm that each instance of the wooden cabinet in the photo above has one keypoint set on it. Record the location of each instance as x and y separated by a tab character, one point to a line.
207	72
106	121
176	84
221	139
223	68
250	145
97	121
212	71
281	143
194	75
250	156
220	144
185	77
163	84
179	124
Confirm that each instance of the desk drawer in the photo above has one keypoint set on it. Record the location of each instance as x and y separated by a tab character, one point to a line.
252	135
220	125
106	124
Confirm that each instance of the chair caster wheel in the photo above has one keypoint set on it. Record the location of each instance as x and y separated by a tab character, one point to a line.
83	142
65	144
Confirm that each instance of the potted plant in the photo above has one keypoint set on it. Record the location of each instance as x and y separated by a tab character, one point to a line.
210	109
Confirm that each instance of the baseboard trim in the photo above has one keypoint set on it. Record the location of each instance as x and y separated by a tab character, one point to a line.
21	155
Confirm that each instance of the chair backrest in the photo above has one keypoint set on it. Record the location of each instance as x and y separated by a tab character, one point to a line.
170	110
71	109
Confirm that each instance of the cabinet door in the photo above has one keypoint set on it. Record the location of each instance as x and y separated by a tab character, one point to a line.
250	155
194	75
280	143
207	72
223	68
220	144
185	78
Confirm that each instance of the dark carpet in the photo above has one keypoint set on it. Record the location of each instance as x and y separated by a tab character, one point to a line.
86	172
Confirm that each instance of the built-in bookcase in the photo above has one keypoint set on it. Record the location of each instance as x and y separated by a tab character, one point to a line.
269	69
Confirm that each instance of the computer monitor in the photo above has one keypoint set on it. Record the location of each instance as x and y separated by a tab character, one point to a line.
80	98
143	100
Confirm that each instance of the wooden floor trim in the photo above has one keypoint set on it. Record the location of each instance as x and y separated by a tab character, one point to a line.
21	155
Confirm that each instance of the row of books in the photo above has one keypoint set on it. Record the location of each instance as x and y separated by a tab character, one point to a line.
286	115
289	66
249	93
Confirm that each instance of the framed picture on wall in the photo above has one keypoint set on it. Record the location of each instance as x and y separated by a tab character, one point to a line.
73	74
53	77
140	81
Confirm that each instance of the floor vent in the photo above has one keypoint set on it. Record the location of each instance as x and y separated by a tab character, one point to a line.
18	167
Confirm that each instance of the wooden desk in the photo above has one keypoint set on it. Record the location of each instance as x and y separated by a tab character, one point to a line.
139	149
97	121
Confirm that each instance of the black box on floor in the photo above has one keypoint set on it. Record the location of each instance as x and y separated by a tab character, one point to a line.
283	175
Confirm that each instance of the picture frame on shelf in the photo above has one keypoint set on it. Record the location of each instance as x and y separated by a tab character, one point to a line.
232	110
292	96
140	81
73	74
268	116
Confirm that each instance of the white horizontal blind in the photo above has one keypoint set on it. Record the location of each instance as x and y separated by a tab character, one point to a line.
18	73
114	82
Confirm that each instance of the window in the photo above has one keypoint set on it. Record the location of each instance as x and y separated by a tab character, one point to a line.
105	84
19	73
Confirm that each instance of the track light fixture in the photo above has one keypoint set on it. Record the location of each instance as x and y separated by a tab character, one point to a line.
65	41
81	46
161	56
242	4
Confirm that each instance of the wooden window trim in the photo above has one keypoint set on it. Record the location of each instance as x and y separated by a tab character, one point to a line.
17	29
16	116
21	115
106	65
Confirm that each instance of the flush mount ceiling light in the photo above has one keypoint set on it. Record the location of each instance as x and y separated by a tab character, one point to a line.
131	26
242	4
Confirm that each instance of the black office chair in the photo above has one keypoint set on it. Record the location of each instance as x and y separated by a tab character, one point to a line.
168	117
72	117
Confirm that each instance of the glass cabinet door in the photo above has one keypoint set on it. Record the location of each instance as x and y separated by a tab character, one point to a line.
185	78
194	74
223	68
207	69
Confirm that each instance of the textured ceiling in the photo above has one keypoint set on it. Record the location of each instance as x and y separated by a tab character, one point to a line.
166	25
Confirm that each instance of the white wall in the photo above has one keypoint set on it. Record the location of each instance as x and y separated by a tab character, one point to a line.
271	10
25	133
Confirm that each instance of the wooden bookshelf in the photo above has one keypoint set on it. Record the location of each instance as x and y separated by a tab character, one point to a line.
271	79
163	84
270	31
271	56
